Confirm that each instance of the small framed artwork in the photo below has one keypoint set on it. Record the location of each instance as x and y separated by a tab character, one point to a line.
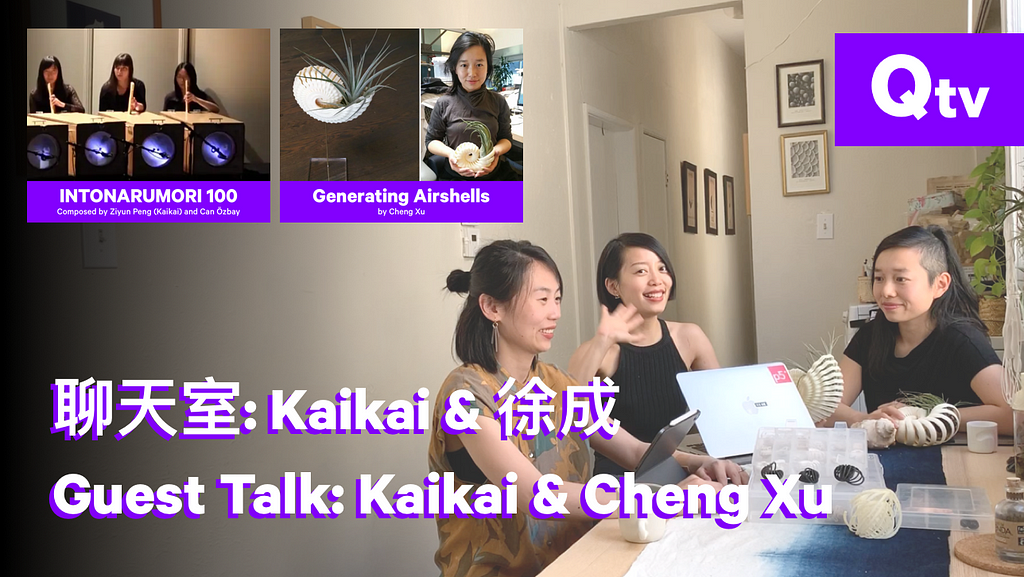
729	197
688	177
804	163
800	91
711	201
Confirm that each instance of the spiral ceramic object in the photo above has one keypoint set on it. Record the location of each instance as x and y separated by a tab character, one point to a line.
467	156
320	99
821	387
918	429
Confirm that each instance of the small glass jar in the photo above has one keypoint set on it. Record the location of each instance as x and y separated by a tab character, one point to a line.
1010	523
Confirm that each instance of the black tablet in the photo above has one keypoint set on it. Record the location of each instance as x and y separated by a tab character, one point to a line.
658	465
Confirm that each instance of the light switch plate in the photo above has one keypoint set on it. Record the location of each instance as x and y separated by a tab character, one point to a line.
826	223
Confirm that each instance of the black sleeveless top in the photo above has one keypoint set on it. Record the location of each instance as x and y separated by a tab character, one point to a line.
649	396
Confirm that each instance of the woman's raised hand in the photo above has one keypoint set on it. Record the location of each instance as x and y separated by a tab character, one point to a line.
618	326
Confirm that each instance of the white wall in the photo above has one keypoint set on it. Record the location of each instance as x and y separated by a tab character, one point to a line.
803	285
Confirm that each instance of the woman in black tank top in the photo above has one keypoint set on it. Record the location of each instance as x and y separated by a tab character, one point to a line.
639	351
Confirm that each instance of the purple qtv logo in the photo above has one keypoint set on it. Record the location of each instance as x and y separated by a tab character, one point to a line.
928	90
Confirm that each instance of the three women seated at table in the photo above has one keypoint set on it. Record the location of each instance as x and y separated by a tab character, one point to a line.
117	93
928	339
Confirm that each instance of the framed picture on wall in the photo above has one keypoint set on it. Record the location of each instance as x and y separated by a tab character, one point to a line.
729	197
800	91
804	163
688	178
711	201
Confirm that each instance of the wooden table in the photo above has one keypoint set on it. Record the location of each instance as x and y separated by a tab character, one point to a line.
604	553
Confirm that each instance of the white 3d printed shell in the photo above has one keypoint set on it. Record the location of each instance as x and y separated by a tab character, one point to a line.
920	430
821	387
467	155
312	90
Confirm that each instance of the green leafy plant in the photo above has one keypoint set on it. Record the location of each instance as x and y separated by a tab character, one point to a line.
360	78
987	202
503	73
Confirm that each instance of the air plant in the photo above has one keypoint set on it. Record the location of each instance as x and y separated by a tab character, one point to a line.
469	155
926	401
324	90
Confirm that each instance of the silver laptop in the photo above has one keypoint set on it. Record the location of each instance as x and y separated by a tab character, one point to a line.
735	402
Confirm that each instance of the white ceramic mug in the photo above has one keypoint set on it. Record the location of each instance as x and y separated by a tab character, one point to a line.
647	530
982	437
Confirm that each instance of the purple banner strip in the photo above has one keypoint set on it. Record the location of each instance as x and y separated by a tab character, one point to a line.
143	201
929	90
401	201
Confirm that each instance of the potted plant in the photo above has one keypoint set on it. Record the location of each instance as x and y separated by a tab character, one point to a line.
990	203
502	74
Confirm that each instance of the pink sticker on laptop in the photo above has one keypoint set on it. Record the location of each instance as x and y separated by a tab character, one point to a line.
779	373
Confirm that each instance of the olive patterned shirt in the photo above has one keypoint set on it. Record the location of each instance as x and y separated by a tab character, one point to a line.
508	545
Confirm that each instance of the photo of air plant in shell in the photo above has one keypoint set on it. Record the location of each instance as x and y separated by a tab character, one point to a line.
470	156
342	92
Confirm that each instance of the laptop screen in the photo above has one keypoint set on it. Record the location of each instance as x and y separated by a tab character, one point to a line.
735	402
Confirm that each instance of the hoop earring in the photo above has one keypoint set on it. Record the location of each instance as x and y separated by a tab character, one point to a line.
494	336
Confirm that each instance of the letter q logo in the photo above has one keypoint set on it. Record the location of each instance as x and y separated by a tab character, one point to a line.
913	102
927	90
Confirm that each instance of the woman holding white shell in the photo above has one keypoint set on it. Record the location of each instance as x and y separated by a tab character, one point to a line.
928	339
468	99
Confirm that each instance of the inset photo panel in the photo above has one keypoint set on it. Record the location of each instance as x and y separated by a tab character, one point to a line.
348	104
148	104
471	101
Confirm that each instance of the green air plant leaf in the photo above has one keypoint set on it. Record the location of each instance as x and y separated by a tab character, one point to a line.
483	133
926	401
359	78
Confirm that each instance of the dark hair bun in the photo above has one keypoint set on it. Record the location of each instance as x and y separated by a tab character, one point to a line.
458	281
